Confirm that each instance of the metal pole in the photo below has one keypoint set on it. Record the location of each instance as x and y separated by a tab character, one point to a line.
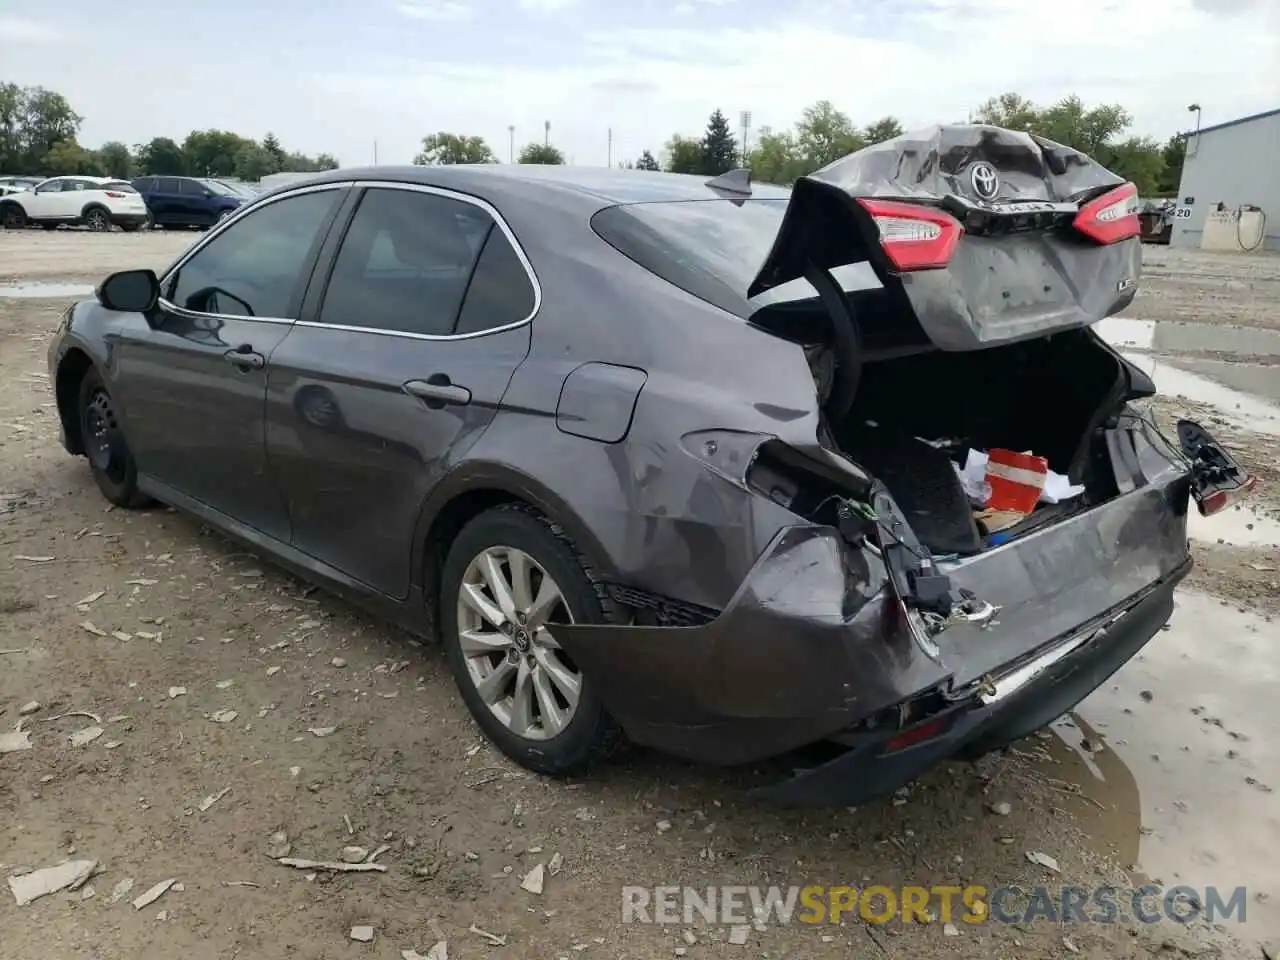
546	133
375	153
609	163
511	143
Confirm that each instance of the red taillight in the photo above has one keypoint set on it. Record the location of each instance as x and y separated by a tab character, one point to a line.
1111	217
914	237
1219	501
116	196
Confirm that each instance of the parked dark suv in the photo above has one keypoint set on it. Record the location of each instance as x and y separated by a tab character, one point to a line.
187	201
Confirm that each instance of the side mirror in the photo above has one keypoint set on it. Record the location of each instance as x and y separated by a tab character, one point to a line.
129	291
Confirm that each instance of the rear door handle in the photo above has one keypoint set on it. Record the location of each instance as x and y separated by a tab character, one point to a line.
437	391
245	358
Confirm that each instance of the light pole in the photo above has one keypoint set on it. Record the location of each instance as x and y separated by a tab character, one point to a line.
546	133
746	136
609	155
511	143
1195	108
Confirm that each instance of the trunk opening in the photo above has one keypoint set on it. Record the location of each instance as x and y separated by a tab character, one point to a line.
1051	396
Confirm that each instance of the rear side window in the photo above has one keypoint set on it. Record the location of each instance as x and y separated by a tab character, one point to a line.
166	185
404	263
119	186
500	293
144	184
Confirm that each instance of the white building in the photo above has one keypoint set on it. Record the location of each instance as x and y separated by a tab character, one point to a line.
1235	165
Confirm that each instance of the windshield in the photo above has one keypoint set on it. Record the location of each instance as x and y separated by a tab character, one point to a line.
712	248
223	189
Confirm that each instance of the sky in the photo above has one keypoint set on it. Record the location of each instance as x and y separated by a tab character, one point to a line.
336	76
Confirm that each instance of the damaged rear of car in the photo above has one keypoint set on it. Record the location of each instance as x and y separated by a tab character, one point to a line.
977	528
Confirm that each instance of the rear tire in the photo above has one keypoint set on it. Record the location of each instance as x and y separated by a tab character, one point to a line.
97	219
109	456
536	707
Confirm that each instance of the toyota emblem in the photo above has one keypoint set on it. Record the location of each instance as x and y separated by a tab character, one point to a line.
985	180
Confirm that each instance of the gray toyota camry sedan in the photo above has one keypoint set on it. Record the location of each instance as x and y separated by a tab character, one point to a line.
837	474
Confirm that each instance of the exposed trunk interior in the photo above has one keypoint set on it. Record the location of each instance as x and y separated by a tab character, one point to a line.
1048	396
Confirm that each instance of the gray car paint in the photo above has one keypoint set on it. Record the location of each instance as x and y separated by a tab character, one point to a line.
811	635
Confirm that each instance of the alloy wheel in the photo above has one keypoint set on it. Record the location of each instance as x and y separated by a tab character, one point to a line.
103	443
97	221
506	606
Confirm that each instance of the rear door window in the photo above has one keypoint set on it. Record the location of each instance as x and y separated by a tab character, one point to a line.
404	263
166	185
255	267
501	292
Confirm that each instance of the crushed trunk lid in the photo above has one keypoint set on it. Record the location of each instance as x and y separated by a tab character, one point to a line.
984	235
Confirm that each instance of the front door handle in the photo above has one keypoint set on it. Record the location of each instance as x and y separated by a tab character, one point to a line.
437	391
245	358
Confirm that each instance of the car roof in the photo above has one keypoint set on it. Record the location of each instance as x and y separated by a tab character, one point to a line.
599	186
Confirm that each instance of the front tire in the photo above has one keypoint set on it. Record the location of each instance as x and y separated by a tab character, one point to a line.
510	575
109	456
12	216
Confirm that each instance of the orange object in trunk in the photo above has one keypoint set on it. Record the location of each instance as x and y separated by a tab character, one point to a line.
1016	480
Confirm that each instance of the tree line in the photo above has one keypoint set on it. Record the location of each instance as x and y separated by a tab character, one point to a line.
824	134
39	130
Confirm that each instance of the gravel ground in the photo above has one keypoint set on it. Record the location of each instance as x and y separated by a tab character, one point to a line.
236	703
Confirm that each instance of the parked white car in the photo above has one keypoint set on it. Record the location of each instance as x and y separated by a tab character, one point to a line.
17	184
97	202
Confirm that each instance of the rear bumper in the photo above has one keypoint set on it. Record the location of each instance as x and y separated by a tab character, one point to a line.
1026	698
814	644
128	219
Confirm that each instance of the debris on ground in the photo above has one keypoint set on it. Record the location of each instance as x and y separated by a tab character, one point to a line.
155	893
86	736
556	862
121	890
213	798
738	934
1044	860
301	863
90	628
321	731
29	708
438	951
278	845
70	875
13	742
223	716
533	880
493	938
1002	809
362	934
175	692
354	854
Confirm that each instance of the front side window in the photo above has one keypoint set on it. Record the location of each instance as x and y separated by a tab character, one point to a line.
254	268
404	263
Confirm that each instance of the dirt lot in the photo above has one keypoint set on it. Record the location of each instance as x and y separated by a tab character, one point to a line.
237	703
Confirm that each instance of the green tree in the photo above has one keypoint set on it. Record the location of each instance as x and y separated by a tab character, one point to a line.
212	153
443	147
647	162
272	146
67	157
11	115
1173	153
254	161
542	153
886	128
777	159
161	157
115	160
825	134
719	147
684	155
326	161
1010	110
